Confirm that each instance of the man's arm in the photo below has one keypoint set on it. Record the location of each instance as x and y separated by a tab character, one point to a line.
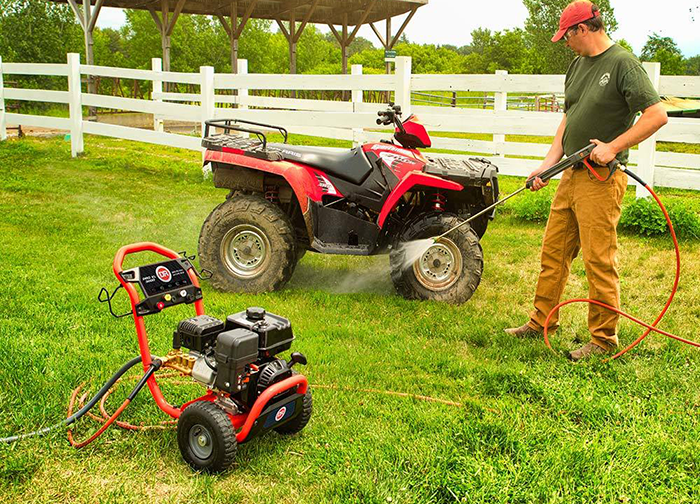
556	152
653	118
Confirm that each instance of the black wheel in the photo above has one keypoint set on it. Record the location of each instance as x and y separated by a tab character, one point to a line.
448	271
206	437
248	244
300	421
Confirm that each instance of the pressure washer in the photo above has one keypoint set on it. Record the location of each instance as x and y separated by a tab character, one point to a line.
249	390
582	157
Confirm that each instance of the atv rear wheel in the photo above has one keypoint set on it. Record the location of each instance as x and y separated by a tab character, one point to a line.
448	271
248	244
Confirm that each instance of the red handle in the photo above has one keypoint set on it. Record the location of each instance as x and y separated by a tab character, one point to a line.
138	320
140	247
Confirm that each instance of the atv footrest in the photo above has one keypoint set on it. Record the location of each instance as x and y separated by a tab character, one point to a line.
339	248
468	172
240	145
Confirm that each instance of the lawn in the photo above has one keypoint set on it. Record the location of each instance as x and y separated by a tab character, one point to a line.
530	425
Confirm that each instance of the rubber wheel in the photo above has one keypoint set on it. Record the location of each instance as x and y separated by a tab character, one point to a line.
248	244
300	421
206	437
448	271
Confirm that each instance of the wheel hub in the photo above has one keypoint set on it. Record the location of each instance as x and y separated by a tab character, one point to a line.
439	267
245	250
200	440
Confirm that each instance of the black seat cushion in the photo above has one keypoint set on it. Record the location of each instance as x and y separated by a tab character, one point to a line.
351	165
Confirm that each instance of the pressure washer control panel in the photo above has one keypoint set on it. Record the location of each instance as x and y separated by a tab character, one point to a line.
164	284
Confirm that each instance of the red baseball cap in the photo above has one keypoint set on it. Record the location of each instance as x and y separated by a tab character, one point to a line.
573	14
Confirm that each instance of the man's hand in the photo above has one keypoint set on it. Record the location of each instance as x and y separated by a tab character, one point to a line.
603	152
537	182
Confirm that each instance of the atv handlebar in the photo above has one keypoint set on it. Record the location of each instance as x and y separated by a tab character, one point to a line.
391	115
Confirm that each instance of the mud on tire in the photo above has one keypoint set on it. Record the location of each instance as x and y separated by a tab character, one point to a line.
248	244
449	271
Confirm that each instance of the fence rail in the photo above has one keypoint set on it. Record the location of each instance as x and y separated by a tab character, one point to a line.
211	95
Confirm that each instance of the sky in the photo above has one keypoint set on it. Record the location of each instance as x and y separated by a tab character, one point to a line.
452	21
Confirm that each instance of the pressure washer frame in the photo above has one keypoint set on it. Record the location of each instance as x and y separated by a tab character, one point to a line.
243	421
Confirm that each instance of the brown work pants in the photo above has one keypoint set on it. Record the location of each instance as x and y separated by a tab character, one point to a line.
583	216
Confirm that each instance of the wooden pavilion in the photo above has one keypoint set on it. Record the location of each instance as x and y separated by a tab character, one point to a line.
292	16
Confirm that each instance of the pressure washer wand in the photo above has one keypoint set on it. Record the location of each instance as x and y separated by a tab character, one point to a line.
569	161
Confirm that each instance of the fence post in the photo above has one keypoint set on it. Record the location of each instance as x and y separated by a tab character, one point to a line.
207	101
500	104
402	93
157	66
356	98
3	126
647	149
75	106
242	93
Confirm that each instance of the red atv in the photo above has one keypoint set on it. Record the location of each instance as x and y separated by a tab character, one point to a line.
286	199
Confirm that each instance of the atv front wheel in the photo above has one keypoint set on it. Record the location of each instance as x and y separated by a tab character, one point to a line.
449	270
248	244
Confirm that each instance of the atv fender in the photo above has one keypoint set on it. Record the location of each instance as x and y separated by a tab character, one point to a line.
409	181
302	180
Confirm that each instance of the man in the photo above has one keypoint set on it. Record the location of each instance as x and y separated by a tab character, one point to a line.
605	87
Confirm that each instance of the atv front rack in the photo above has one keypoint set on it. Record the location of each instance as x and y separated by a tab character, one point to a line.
227	125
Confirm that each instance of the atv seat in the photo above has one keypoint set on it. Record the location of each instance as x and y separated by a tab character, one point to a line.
351	165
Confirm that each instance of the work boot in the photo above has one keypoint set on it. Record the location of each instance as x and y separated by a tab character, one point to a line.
523	332
587	350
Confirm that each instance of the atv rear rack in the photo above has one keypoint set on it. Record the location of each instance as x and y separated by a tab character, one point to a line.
226	125
238	144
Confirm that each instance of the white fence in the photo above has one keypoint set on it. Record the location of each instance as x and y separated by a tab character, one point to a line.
348	120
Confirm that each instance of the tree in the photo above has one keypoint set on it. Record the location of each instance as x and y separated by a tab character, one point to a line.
625	44
665	51
543	22
692	66
38	32
504	50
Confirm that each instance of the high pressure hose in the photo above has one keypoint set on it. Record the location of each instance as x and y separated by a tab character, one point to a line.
82	411
155	365
649	327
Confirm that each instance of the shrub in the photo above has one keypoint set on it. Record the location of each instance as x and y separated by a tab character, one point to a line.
533	207
643	216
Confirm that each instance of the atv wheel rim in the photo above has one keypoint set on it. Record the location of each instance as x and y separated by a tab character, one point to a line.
244	250
201	441
440	266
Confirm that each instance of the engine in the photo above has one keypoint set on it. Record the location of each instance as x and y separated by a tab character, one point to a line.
236	356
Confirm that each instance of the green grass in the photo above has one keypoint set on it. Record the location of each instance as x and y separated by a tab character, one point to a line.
533	427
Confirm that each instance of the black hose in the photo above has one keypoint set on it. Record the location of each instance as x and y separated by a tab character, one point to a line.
75	416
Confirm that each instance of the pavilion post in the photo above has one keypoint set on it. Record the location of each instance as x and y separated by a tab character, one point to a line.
166	23
87	19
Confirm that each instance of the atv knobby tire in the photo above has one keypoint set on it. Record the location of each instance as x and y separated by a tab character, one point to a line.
449	271
248	244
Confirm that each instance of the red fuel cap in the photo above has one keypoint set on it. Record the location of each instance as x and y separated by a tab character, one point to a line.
160	305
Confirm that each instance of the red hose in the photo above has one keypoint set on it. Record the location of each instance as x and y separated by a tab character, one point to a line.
104	427
650	327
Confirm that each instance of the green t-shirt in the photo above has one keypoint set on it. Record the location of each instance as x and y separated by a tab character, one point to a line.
602	95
